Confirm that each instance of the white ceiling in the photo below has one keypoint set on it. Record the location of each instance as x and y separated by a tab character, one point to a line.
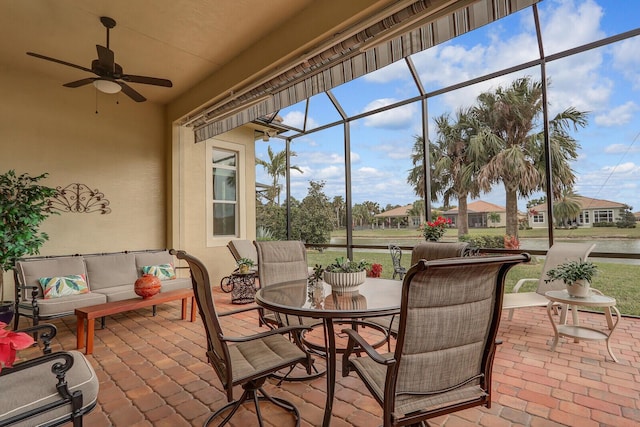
181	40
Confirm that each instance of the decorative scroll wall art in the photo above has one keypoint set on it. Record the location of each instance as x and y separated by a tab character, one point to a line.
80	199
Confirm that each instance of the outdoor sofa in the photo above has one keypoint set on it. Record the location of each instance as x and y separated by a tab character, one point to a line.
107	277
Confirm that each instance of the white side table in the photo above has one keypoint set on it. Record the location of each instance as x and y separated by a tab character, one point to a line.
596	299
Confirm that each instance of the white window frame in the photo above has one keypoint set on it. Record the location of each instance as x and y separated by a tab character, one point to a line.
584	217
538	218
241	214
599	213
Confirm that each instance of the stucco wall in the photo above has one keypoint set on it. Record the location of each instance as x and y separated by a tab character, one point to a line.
189	194
121	151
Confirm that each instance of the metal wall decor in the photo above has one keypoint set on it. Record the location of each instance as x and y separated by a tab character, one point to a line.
80	199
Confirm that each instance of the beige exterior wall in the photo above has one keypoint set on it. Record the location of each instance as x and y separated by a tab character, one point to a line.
121	151
189	223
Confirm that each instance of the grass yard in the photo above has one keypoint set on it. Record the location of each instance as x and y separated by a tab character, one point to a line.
615	280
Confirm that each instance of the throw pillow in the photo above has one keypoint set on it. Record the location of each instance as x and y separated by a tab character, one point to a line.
55	287
162	271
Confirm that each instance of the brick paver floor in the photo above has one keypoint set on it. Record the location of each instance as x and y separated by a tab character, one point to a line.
153	372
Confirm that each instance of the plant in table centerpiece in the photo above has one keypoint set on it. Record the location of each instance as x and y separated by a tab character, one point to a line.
346	274
434	230
23	207
244	265
10	342
576	275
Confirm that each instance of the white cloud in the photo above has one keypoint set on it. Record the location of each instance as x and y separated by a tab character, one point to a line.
397	118
620	115
627	60
296	119
392	72
621	149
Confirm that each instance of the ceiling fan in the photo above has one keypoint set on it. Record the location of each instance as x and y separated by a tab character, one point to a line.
110	78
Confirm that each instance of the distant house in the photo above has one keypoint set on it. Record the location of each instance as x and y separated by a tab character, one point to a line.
593	211
479	214
401	215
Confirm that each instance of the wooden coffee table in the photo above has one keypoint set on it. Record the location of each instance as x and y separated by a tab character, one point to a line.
100	310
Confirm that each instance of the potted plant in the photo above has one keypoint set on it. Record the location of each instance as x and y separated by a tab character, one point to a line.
23	207
434	230
346	274
244	265
576	275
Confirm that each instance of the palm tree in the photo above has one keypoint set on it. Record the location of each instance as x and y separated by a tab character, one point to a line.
567	207
416	175
508	118
457	163
276	167
418	209
338	206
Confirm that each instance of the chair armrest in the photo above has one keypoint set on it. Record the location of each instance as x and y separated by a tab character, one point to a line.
355	338
279	331
59	368
521	282
240	310
47	336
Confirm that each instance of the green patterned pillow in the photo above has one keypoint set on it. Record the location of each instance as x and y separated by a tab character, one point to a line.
55	287
162	271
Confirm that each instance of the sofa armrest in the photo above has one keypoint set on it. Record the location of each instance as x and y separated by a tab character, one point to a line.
45	332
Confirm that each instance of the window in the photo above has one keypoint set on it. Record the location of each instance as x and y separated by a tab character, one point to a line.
225	211
538	218
584	217
603	216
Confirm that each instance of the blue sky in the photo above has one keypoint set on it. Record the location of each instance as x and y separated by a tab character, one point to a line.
604	82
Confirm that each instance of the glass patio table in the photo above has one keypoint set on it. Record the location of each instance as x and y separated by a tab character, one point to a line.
375	297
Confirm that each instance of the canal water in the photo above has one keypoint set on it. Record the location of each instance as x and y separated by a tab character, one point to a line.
602	245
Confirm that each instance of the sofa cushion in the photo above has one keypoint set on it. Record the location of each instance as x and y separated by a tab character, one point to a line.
63	305
30	271
35	387
106	271
118	293
56	287
179	283
162	271
144	259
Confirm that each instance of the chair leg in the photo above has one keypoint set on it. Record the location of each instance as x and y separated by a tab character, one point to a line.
253	391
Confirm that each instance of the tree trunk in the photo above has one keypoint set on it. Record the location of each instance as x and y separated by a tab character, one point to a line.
512	212
463	216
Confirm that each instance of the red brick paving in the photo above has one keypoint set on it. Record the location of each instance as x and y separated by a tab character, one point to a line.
153	372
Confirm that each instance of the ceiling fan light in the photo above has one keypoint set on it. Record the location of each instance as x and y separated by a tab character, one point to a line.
107	86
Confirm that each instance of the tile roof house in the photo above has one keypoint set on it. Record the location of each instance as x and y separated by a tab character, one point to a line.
400	214
593	211
480	215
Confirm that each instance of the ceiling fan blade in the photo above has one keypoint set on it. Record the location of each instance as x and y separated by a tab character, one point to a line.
146	80
79	83
131	93
68	64
105	57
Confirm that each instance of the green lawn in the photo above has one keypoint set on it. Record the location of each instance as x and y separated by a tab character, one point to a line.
616	280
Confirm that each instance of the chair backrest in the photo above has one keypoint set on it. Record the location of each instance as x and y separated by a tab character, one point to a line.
557	254
396	255
450	313
438	250
242	248
217	351
281	261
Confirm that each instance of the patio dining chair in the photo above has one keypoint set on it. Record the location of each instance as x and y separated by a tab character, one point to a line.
396	259
442	363
247	361
281	262
428	251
